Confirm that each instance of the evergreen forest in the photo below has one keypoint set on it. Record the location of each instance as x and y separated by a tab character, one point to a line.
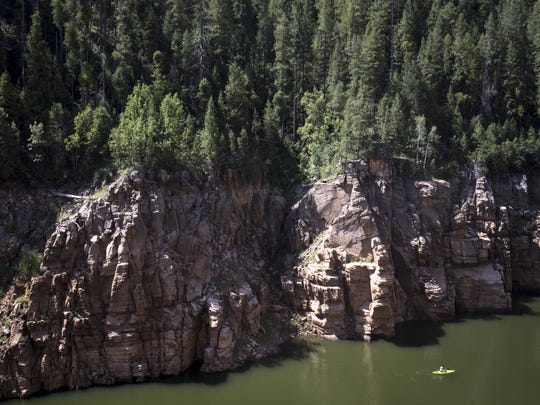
293	88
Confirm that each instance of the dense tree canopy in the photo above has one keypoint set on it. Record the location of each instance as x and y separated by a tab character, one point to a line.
266	84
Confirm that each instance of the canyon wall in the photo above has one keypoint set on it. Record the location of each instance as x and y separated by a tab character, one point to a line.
376	247
161	274
165	272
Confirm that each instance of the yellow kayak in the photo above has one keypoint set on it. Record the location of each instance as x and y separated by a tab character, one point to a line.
438	372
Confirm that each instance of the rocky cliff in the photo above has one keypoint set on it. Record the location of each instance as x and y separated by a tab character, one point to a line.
26	221
377	247
166	272
159	275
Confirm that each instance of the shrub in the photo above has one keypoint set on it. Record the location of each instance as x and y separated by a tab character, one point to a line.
11	225
30	262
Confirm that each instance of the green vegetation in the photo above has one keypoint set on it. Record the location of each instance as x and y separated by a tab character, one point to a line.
99	193
23	299
62	215
11	225
288	87
310	254
30	262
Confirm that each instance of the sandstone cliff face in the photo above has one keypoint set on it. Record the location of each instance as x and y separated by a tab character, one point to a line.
384	248
157	276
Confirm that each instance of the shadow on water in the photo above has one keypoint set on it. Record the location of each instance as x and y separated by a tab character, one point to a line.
425	333
463	317
520	307
296	349
417	334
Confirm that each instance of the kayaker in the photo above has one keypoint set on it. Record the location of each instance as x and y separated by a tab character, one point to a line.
442	369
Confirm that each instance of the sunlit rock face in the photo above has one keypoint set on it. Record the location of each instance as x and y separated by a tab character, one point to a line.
379	246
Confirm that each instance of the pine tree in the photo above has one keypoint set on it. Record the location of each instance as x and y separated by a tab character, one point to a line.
211	139
124	55
9	97
533	30
244	32
431	59
324	41
518	77
283	73
239	100
465	81
491	47
392	124
159	81
57	130
80	45
200	40
149	21
37	93
374	55
359	132
219	35
3	55
177	27
264	52
9	147
406	32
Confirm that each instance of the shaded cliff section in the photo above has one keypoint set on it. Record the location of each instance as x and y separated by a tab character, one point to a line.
27	219
162	273
378	246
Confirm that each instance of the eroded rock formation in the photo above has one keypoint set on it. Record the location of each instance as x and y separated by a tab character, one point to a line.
384	248
155	277
165	272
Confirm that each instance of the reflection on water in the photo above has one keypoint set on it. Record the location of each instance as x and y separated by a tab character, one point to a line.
371	386
497	359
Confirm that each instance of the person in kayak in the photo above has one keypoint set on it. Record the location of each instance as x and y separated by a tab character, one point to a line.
442	369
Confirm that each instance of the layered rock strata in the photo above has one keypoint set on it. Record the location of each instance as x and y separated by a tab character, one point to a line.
159	275
378	246
167	272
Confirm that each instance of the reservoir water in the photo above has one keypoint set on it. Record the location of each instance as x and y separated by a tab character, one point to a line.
497	359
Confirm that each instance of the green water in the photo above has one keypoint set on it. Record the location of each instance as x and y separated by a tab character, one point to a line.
497	359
